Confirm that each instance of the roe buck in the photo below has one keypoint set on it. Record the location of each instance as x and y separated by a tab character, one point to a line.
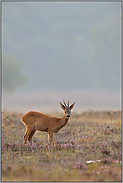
42	122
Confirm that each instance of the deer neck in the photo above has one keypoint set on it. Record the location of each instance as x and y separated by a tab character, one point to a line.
63	120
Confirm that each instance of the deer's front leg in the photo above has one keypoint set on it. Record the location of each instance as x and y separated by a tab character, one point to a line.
50	138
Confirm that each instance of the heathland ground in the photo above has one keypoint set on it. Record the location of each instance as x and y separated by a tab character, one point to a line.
90	135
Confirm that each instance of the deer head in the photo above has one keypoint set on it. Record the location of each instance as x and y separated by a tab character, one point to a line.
67	108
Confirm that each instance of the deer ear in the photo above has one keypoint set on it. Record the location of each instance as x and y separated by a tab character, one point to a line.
62	106
71	107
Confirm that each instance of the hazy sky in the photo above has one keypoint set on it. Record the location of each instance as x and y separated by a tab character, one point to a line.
64	45
68	46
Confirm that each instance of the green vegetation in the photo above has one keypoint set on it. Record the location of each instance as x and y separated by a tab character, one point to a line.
11	73
87	136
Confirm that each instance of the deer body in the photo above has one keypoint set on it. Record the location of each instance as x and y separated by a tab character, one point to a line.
42	122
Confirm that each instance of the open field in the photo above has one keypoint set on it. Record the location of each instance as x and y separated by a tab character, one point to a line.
91	135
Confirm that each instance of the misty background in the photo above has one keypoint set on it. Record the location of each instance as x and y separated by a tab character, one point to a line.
53	51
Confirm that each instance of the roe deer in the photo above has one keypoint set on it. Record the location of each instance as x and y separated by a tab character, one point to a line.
42	122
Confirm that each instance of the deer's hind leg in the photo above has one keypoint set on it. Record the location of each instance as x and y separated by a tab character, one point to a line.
30	136
27	134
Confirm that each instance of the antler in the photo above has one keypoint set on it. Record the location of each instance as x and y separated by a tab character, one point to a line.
64	103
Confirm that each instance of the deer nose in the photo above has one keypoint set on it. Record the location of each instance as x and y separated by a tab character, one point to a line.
68	116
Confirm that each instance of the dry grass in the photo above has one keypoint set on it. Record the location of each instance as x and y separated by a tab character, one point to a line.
87	136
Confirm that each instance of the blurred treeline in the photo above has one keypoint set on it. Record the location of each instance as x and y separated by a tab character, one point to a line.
11	73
